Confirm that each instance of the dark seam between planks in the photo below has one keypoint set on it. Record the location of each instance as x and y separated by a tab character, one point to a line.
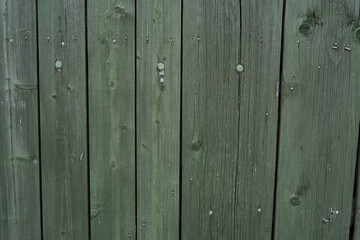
87	116
38	114
181	114
355	192
238	137
135	119
279	92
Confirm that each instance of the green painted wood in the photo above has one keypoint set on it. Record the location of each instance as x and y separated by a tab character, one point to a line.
319	120
63	118
19	141
355	231
111	51
158	118
229	118
261	25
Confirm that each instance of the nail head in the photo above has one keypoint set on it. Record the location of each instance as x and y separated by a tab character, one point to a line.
239	68
58	64
160	66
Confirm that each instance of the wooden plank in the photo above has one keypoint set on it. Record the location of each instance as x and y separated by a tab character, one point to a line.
111	48
354	228
19	144
228	184
63	118
319	120
158	118
261	25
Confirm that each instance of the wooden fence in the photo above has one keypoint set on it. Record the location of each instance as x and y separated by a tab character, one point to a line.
170	119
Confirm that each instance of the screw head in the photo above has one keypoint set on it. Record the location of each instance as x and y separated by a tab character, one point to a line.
239	68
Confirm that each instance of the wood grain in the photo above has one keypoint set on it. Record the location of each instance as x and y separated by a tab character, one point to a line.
229	118
19	139
63	119
319	120
158	118
111	49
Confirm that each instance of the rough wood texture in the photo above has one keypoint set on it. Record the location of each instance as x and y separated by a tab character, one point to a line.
63	118
355	231
319	120
261	26
158	118
19	141
111	52
228	184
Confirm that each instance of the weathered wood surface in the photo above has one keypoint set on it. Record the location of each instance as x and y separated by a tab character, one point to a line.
62	68
19	140
158	118
229	118
183	107
354	228
319	120
111	50
261	26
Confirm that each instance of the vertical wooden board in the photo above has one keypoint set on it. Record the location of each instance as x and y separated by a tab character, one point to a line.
158	118
63	118
261	27
19	144
355	231
319	120
211	50
226	181
111	50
